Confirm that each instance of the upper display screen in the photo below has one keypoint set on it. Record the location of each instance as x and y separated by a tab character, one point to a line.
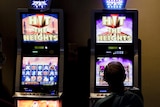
39	27
114	27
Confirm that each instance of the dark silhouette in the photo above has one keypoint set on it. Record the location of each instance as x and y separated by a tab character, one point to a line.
5	98
119	96
5	103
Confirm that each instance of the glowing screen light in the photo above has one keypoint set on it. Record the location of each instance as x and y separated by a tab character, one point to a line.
40	4
114	4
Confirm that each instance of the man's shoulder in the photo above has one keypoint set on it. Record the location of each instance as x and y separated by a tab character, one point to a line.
125	98
104	101
131	94
132	98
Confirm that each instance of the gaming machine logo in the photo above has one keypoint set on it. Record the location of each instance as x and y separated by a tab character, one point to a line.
114	28
39	4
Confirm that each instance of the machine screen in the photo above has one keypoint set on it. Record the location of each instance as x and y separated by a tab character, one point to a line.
114	27
38	103
101	62
39	71
40	27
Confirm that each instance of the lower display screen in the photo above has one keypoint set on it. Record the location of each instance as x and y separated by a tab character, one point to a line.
101	62
40	74
39	71
38	103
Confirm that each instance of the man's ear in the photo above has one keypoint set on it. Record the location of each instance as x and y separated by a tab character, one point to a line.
124	77
105	79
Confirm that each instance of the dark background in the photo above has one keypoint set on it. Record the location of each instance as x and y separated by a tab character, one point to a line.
77	31
76	69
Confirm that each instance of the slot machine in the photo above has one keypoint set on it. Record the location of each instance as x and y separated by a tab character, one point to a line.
114	37
40	55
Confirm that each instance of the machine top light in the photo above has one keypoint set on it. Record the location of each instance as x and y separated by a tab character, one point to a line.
39	4
114	4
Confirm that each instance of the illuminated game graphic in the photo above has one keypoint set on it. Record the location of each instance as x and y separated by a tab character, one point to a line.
103	61
40	4
38	103
40	27
114	28
114	4
39	71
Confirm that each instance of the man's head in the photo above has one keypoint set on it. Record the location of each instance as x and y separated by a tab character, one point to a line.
115	73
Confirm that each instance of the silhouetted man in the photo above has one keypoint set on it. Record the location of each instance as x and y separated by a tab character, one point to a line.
119	97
